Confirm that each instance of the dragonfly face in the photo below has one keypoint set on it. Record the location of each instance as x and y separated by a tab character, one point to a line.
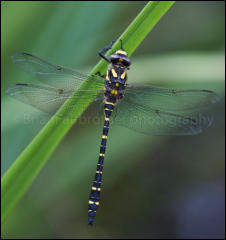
120	58
143	108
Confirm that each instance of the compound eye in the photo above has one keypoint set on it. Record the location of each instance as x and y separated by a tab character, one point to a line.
126	63
114	59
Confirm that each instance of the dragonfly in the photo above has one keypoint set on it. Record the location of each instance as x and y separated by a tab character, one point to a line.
140	107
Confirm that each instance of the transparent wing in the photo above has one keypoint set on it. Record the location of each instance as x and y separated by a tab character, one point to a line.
172	100
49	99
159	111
51	74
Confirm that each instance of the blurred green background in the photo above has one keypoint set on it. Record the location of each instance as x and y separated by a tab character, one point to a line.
154	187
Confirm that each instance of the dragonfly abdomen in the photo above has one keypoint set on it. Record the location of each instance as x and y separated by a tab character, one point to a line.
94	197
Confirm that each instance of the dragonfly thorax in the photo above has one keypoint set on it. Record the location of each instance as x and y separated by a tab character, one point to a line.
115	83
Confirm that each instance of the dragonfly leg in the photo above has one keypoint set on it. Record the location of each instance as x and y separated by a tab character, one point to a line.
121	45
105	49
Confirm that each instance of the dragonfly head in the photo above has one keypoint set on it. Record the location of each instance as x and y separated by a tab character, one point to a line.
120	58
121	52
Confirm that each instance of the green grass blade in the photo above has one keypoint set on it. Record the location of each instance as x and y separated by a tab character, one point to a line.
23	171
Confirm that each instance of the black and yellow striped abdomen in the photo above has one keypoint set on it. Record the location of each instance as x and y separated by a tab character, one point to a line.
114	89
94	197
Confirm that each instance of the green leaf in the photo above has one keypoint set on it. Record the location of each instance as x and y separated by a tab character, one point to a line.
23	171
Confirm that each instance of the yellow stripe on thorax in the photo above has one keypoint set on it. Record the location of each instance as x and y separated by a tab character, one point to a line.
114	92
107	77
123	75
114	73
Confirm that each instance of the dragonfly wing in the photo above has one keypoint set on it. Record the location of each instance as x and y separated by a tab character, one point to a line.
49	99
172	100
139	114
51	74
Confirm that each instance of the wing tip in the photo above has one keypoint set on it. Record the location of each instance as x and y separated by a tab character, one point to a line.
10	88
17	56
13	86
214	97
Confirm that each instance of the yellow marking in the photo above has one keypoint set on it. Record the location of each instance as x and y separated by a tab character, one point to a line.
114	73
123	75
92	210
117	84
101	154
99	172
96	189
120	60
109	103
121	52
114	92
104	137
92	202
120	66
108	109
107	78
107	119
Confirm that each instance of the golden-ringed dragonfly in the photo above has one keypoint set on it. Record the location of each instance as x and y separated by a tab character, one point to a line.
144	108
